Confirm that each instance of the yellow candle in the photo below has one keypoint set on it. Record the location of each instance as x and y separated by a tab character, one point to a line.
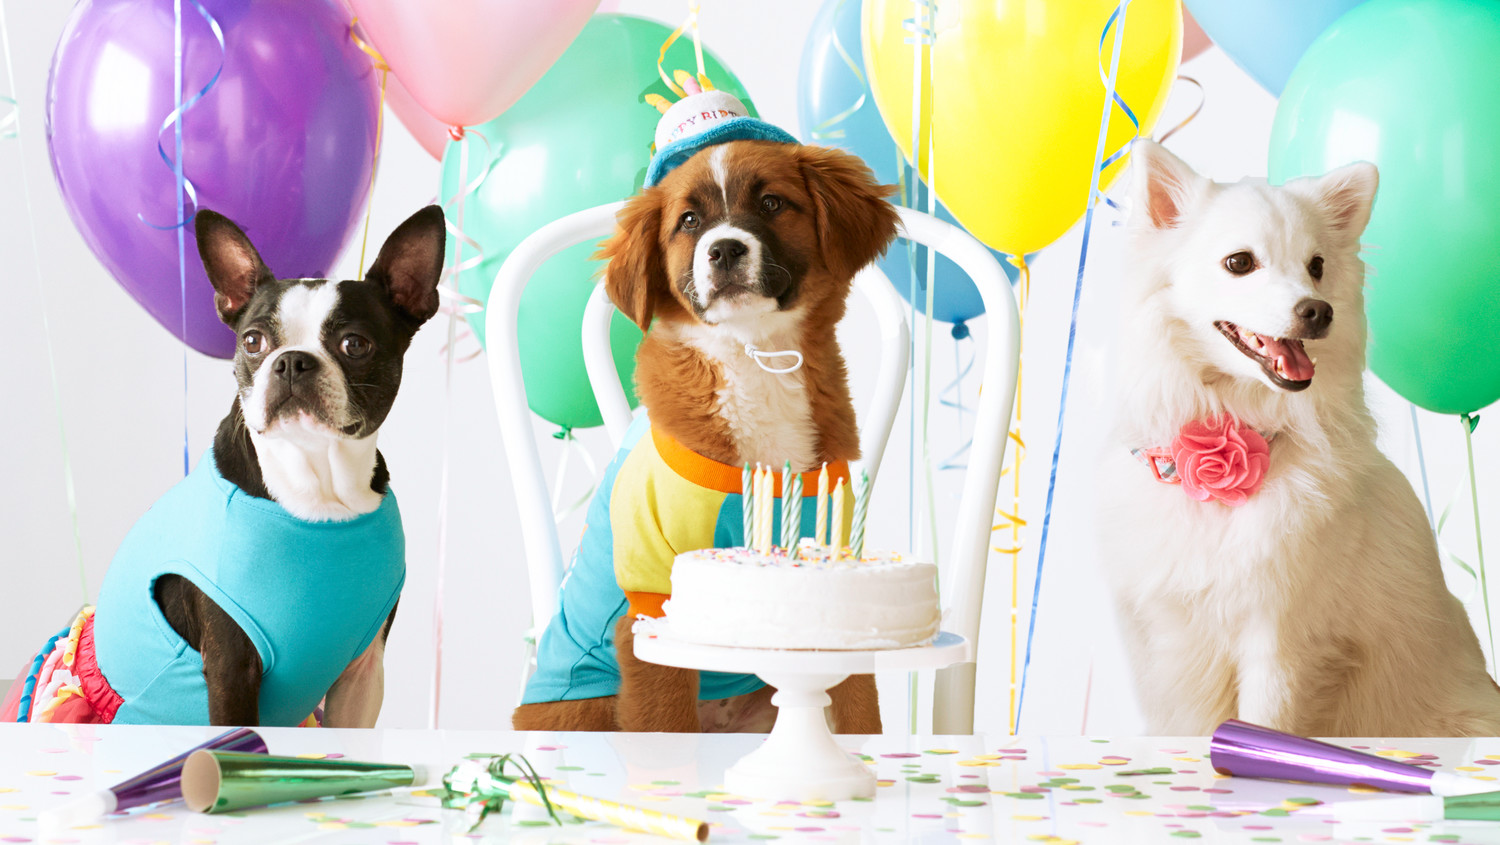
820	525
836	526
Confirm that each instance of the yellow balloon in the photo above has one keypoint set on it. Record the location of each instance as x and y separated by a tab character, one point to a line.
1015	102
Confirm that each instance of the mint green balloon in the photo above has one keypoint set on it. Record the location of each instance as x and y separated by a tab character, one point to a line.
580	137
1414	87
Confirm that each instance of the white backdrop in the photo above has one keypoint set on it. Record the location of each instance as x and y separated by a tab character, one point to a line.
119	378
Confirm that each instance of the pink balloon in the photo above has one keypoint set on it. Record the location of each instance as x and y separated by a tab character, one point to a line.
428	130
1194	39
466	61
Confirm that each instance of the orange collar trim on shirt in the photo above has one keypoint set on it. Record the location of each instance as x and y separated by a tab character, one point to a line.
707	472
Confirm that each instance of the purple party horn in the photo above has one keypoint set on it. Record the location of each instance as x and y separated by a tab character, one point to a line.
1244	750
162	782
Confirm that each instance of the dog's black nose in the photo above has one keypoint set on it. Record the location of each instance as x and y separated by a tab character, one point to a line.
1315	315
725	254
294	365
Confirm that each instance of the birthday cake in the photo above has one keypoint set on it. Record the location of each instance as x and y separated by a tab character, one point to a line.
821	598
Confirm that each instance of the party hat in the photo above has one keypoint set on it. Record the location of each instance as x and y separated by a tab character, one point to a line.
220	781
704	117
162	782
1251	751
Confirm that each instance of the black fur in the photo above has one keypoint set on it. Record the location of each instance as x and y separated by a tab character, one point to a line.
398	296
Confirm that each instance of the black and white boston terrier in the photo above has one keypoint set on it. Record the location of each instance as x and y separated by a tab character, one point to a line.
318	365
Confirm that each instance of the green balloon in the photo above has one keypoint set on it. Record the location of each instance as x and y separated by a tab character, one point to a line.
580	137
1413	86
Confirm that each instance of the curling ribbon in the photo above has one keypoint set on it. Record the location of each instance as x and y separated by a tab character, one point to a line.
184	185
10	129
481	786
955	389
449	290
690	23
385	70
827	130
1202	99
1101	161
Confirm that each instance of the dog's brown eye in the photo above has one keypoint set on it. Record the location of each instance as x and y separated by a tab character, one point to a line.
1240	263
689	220
355	346
770	202
254	342
1315	267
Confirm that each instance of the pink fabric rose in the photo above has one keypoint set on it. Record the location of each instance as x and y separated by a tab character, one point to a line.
1220	459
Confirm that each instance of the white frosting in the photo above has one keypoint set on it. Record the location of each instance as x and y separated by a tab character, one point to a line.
739	597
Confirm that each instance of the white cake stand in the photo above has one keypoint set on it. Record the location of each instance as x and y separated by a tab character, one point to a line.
799	759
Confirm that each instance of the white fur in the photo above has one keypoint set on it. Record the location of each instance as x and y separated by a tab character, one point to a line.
769	414
309	467
1319	606
706	279
718	165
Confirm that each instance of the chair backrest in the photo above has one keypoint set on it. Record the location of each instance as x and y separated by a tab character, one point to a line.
963	576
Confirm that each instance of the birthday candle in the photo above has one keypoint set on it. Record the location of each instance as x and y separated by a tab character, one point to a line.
820	525
861	508
836	525
796	532
747	501
764	499
788	506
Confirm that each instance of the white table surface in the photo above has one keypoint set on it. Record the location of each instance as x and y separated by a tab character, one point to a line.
932	789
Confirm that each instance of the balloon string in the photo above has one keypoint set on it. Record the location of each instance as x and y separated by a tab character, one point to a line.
1111	99
689	24
1469	422
1012	519
10	129
1416	431
827	130
571	445
385	70
1202	99
955	389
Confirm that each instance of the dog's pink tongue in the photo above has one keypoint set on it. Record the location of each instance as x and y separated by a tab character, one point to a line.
1293	360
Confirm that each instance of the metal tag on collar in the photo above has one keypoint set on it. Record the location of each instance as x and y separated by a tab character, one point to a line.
760	357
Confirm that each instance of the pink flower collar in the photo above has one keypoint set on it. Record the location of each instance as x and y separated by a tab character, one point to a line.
1214	459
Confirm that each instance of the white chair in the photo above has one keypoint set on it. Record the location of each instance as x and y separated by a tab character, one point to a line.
963	575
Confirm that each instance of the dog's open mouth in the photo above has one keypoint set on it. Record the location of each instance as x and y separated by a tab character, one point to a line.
1283	359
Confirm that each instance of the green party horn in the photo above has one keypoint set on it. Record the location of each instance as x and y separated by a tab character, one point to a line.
221	781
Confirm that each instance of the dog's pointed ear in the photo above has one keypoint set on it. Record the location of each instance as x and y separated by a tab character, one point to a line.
1162	184
410	263
635	276
233	266
855	221
1347	195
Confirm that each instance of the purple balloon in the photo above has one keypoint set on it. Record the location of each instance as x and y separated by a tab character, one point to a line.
283	143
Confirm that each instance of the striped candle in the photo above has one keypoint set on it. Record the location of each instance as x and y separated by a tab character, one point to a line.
796	520
861	508
747	517
820	525
836	525
788	506
764	499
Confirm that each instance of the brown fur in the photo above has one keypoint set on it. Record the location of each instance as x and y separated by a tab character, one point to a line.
835	219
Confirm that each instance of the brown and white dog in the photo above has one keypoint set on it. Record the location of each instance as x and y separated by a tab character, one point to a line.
747	244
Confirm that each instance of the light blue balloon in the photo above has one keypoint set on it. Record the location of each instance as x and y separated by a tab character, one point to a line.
831	83
1267	37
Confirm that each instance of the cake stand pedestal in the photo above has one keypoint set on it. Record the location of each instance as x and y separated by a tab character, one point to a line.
799	759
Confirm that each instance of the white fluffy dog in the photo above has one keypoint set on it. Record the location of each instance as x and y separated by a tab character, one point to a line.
1268	563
